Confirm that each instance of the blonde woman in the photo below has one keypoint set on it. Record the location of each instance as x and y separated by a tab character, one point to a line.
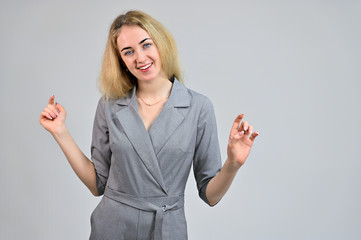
149	129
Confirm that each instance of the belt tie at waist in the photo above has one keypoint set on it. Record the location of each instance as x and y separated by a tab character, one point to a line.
147	205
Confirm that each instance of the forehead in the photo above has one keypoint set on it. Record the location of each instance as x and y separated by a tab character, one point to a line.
131	35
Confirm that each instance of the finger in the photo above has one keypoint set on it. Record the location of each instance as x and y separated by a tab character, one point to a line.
45	115
51	100
60	108
244	126
253	136
237	136
53	109
51	112
237	121
249	130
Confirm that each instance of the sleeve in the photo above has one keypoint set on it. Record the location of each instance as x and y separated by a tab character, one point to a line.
207	158
100	149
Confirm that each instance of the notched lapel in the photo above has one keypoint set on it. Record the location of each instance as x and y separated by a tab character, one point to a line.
139	138
172	115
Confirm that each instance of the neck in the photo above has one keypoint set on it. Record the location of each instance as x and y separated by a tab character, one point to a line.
154	89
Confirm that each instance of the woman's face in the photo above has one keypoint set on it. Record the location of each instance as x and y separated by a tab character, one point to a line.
139	53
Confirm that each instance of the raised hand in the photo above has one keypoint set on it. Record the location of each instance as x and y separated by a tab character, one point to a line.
240	141
52	118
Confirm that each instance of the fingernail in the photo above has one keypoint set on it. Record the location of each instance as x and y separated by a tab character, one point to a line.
241	133
245	128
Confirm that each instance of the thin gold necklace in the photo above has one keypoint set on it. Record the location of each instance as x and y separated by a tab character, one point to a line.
151	104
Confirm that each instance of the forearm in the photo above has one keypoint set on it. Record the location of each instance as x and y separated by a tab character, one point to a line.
219	185
81	165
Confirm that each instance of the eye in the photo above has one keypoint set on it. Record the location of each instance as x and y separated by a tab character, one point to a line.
147	45
128	52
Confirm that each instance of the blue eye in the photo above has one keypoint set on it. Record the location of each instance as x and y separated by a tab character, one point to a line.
127	53
147	45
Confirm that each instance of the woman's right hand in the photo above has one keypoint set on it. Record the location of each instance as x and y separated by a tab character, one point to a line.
52	118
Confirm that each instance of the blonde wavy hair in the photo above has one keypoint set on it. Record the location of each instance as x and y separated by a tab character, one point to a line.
115	81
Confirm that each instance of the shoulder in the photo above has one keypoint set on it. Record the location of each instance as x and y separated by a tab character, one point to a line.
195	98
200	99
203	109
114	104
104	103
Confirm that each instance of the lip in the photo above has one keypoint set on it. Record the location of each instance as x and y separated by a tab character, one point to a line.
145	67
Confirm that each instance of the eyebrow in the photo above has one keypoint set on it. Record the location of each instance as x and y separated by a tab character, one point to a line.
145	39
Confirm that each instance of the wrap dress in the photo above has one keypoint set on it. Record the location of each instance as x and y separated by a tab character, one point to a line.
142	174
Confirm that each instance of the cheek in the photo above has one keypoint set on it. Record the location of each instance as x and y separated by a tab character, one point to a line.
156	57
126	63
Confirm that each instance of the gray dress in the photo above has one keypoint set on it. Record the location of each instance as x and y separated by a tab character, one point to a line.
143	174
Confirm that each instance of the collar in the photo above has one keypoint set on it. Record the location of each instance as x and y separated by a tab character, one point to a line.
179	96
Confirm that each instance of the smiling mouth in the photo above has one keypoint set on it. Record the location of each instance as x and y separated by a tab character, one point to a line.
145	66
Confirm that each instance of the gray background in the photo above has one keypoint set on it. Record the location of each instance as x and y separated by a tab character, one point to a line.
293	67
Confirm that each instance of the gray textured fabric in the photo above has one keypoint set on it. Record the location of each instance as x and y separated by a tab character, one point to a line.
143	174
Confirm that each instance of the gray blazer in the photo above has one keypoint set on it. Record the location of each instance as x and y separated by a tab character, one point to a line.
143	174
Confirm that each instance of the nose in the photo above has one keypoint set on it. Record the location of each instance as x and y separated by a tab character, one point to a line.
140	57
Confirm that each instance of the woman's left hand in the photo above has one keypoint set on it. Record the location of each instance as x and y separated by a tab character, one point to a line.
240	142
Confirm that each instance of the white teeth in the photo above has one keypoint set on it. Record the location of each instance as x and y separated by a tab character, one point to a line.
145	67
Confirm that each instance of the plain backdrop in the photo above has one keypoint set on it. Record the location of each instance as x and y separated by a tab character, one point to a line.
293	68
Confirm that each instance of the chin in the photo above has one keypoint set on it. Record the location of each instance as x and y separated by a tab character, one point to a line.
146	79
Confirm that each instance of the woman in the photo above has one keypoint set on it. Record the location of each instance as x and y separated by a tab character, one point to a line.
148	131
